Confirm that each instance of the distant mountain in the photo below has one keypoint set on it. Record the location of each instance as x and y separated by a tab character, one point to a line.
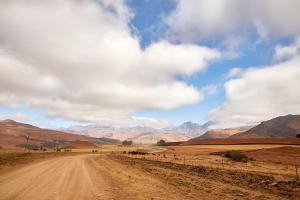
119	133
14	134
283	126
190	129
153	137
142	134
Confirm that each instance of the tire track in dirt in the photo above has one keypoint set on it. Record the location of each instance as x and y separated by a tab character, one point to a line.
70	177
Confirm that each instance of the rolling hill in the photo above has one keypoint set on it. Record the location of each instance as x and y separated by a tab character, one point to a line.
283	126
14	135
219	133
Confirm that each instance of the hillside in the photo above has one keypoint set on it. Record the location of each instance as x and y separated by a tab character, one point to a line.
283	126
248	141
219	133
13	135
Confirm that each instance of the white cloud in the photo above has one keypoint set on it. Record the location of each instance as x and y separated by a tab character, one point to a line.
259	94
200	19
234	72
20	117
79	60
209	90
287	52
150	122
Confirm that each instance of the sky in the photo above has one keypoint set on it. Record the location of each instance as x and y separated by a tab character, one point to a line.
153	63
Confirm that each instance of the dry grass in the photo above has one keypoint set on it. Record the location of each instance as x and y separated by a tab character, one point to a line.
146	179
201	155
281	155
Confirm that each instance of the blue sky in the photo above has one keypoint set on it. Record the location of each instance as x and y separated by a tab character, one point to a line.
148	21
257	39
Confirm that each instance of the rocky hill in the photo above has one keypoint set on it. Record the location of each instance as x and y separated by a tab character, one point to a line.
283	126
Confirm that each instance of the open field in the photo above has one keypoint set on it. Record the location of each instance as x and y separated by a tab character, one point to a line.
208	183
281	155
263	160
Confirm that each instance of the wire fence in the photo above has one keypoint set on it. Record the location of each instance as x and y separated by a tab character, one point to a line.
219	162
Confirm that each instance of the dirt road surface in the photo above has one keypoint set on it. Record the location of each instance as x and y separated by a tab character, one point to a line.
61	178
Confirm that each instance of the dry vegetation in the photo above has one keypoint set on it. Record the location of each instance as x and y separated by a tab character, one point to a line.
191	182
260	158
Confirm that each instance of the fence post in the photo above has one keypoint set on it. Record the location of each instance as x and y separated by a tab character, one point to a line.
296	167
223	163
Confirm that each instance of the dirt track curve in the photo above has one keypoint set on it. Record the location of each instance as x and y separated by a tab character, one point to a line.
72	177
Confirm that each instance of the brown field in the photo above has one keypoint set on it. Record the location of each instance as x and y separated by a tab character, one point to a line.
173	172
281	155
264	160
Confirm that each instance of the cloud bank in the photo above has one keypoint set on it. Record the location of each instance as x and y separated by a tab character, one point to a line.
259	94
79	60
201	20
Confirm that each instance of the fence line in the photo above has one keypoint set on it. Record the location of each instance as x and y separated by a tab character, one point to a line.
219	163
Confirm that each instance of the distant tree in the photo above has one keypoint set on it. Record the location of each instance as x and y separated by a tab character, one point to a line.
127	143
161	143
298	135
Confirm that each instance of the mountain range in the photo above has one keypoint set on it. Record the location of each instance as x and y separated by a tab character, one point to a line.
14	134
142	134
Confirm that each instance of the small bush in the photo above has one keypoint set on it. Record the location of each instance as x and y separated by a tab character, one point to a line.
137	152
236	156
298	135
161	143
127	143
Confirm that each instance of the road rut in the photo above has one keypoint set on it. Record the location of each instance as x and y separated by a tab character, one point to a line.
72	177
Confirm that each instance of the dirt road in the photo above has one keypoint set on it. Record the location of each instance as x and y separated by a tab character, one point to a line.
90	177
70	177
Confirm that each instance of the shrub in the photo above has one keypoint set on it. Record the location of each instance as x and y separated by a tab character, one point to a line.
161	143
298	135
236	156
127	143
137	152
